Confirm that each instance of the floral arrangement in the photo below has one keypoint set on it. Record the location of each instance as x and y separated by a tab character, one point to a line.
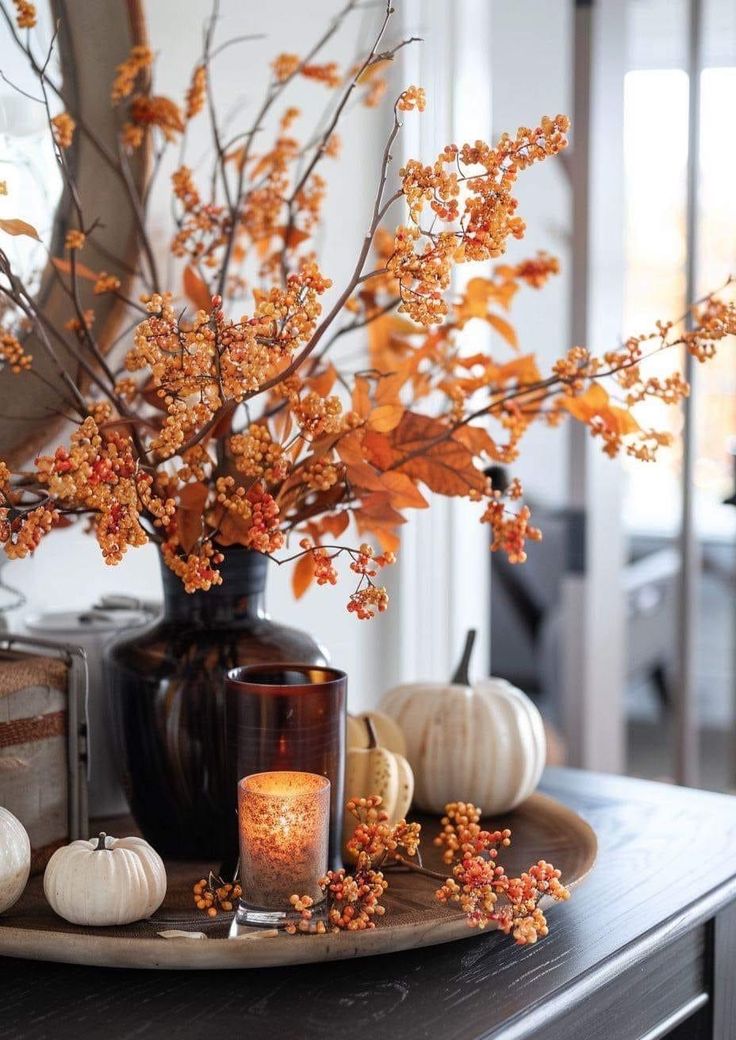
232	418
476	884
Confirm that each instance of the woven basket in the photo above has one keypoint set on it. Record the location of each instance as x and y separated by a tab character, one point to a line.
34	748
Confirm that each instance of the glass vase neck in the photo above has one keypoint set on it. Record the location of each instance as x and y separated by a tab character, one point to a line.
241	598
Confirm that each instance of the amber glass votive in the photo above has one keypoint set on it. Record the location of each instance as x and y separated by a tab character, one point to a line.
284	823
290	717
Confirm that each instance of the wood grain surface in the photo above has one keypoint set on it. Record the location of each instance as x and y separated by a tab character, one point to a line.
541	828
665	872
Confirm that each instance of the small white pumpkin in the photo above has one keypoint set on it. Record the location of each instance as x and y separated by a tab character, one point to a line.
376	770
482	743
105	881
387	733
15	859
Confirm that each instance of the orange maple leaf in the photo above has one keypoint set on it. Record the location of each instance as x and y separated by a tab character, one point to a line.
302	575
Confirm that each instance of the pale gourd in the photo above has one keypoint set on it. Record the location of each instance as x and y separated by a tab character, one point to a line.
15	859
375	770
388	733
482	742
105	881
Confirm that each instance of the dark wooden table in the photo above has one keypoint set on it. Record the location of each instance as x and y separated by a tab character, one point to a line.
645	949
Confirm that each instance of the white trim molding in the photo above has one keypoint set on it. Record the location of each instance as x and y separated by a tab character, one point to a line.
444	565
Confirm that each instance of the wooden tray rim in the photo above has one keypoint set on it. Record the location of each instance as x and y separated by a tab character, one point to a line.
154	952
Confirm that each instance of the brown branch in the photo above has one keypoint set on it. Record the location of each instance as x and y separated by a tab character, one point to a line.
400	860
379	210
272	94
329	130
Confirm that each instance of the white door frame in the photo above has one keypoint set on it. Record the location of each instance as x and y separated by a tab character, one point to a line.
444	566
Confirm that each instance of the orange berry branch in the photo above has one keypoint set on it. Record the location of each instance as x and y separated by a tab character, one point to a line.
232	412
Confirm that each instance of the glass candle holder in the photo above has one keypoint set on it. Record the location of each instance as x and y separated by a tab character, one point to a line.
290	717
283	820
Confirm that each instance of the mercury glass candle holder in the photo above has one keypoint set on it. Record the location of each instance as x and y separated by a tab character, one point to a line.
290	717
283	820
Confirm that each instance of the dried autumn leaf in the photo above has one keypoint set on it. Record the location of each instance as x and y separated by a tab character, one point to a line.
377	508
196	290
193	496
595	403
82	270
386	417
372	521
350	449
302	575
480	292
404	492
361	397
322	445
389	388
189	528
233	530
388	540
386	343
150	394
293	236
474	301
434	458
235	156
477	440
380	331
623	420
377	449
333	524
370	71
324	381
504	329
362	475
19	227
262	246
189	522
523	369
587	405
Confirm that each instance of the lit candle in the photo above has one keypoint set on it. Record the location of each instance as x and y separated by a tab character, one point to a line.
284	822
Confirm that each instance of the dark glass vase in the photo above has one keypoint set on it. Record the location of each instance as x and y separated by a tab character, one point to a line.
169	694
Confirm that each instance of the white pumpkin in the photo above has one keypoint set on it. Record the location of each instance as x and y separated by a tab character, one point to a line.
483	743
375	769
15	859
105	881
386	732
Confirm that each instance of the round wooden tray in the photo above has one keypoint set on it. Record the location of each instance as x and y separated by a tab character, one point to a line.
542	829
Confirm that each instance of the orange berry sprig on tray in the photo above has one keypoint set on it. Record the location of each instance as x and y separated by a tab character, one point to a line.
479	885
213	895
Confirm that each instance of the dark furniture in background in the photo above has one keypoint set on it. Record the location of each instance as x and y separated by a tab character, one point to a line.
645	949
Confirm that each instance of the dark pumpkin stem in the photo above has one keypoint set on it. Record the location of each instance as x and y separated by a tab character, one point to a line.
460	675
100	847
372	735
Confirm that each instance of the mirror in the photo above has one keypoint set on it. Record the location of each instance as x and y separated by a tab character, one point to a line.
91	40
